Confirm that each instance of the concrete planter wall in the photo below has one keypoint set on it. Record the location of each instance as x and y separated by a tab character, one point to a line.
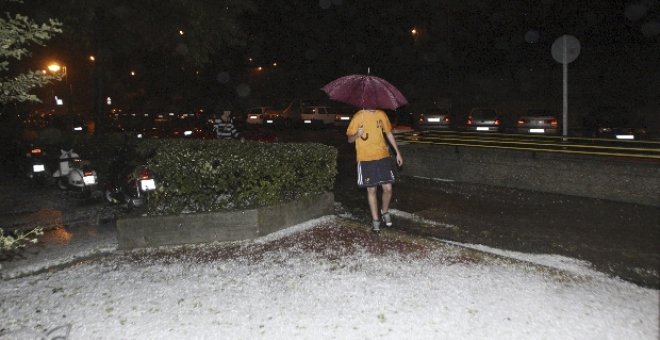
153	231
609	178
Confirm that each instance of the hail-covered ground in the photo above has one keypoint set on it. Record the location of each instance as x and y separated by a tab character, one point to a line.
327	279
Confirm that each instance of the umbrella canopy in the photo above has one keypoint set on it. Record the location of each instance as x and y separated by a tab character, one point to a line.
365	91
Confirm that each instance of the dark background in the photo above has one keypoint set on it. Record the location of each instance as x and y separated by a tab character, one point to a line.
463	54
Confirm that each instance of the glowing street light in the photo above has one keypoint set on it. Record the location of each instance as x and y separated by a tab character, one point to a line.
55	68
61	70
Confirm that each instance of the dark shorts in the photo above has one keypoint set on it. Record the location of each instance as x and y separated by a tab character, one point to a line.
372	173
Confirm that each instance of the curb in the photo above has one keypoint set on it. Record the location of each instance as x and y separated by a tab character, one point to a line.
153	231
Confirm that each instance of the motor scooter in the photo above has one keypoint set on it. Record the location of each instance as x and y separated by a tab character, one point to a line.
129	183
37	169
74	174
131	188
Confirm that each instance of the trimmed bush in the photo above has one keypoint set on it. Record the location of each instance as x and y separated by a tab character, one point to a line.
217	175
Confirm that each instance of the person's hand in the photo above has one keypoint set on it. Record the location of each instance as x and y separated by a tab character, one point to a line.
360	131
399	160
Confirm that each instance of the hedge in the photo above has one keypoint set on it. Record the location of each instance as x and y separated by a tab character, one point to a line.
216	175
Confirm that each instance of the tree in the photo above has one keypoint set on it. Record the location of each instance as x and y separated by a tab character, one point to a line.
17	33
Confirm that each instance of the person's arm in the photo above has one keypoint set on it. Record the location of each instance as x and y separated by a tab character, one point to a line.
353	132
352	138
399	158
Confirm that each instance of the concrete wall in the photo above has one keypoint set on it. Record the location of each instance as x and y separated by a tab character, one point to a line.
153	231
610	178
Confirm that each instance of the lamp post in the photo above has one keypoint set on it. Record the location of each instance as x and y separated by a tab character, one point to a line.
55	68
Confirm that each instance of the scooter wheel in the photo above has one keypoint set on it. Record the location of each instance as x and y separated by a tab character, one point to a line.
62	183
107	194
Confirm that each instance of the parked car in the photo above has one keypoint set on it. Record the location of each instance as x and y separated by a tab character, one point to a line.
257	115
154	126
539	121
192	128
75	123
431	119
614	122
318	116
343	116
277	118
483	119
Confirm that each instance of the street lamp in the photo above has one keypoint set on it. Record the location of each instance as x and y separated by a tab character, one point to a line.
56	69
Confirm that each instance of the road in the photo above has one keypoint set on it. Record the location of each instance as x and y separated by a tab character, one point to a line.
639	150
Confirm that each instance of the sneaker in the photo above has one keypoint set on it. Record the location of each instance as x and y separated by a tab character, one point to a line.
375	226
386	218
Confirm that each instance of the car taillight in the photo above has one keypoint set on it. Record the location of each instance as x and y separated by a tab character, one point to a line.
421	118
552	122
446	120
35	151
521	121
145	174
337	118
88	173
497	122
469	121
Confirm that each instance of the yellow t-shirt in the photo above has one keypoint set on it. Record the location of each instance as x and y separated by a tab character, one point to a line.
372	145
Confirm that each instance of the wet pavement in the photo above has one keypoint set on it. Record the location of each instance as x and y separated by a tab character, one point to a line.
620	239
617	238
74	228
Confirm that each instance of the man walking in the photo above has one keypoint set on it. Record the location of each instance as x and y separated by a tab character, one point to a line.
368	130
224	127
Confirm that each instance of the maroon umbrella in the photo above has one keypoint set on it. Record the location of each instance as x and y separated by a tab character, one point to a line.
365	91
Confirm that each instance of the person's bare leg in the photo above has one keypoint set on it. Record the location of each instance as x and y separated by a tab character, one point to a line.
387	196
373	202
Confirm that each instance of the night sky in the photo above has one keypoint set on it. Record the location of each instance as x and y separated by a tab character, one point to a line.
463	47
462	53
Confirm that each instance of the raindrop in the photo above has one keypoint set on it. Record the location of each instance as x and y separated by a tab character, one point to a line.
635	12
651	29
532	36
182	49
325	4
243	90
223	77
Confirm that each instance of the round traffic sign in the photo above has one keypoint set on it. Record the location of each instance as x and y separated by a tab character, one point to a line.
566	49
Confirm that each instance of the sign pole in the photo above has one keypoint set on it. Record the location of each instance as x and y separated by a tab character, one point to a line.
565	50
565	106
